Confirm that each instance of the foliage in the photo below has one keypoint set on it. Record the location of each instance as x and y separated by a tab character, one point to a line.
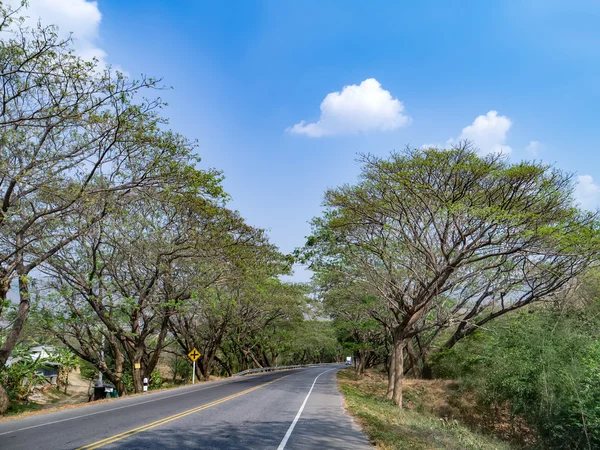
22	374
155	381
450	239
88	370
68	361
180	368
313	341
545	364
17	408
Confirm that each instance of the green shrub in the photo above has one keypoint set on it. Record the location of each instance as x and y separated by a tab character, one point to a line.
545	364
21	376
155	381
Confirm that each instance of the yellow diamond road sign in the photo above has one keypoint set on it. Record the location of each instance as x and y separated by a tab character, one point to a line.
194	355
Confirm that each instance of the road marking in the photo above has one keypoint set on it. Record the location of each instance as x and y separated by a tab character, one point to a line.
291	428
126	434
113	409
188	391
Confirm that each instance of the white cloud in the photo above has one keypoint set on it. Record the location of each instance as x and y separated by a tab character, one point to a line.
357	109
587	192
488	133
534	148
79	17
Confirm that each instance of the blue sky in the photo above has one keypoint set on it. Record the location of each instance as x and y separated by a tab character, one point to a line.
520	77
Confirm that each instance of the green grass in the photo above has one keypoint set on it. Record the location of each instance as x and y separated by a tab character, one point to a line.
394	428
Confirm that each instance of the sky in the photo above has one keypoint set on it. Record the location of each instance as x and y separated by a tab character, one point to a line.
283	96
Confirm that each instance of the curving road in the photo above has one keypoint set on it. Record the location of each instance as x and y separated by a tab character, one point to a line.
297	409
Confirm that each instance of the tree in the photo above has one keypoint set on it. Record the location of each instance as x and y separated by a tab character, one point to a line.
119	284
268	313
360	319
240	297
422	225
69	134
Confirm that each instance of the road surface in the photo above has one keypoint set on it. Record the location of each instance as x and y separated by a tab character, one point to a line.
296	409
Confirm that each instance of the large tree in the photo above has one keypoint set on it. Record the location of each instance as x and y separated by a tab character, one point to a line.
69	134
424	224
235	294
118	284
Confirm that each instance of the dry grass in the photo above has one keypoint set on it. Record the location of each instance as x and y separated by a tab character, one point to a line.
428	421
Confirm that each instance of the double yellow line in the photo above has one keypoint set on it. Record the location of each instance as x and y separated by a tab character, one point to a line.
126	434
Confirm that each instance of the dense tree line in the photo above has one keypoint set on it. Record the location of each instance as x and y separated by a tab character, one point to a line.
117	242
431	245
123	250
445	263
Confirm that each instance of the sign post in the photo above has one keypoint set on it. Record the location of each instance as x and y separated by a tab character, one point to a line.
194	355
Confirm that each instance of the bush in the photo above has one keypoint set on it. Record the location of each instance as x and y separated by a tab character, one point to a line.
156	381
20	378
545	364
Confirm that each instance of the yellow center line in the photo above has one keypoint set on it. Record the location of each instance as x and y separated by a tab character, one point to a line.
126	434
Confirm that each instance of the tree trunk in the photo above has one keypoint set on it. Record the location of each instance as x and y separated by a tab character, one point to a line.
225	365
414	362
117	381
204	364
3	400
201	373
426	372
398	368
119	361
391	374
360	364
23	311
138	384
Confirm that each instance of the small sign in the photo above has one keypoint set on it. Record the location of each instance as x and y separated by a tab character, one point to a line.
194	355
137	366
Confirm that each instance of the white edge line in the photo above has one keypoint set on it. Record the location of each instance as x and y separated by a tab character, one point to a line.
291	428
120	407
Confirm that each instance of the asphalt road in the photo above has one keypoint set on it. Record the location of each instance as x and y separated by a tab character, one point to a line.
267	411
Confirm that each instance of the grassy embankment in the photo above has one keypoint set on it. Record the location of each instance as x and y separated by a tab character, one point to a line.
416	426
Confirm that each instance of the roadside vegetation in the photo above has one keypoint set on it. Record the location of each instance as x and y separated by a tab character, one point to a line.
418	426
444	263
116	244
119	249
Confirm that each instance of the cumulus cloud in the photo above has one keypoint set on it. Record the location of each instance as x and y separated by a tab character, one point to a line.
587	192
534	148
79	17
356	109
488	133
